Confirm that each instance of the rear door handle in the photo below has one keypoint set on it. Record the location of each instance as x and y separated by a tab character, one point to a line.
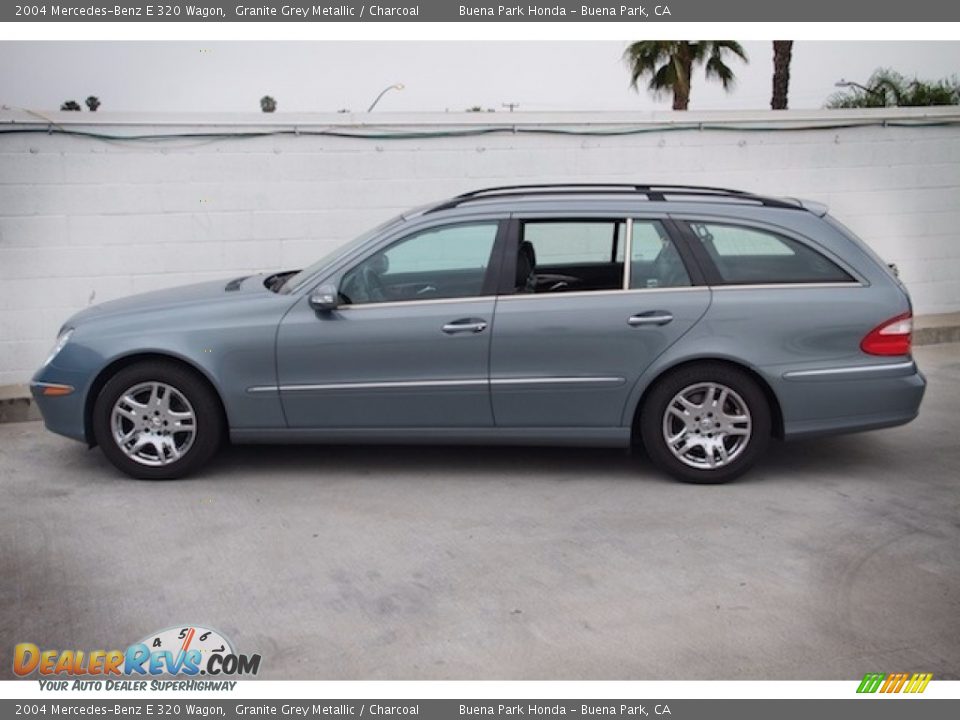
471	325
655	317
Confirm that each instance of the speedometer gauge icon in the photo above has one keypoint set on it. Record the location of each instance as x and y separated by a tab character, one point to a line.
184	638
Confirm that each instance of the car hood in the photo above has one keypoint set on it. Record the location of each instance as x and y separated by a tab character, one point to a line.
171	299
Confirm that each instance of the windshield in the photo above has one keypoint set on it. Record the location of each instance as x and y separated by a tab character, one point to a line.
294	281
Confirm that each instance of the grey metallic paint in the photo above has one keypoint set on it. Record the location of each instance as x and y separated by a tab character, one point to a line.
503	384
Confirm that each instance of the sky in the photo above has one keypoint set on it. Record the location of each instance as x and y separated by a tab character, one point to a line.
327	76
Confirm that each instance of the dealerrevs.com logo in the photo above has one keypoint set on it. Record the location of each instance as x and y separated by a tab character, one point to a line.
178	651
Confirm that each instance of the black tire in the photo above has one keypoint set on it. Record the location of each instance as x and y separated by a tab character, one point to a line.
209	425
652	418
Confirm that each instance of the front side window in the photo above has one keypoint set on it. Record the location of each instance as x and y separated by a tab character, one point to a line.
439	263
749	256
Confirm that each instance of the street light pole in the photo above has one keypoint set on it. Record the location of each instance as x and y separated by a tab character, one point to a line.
398	86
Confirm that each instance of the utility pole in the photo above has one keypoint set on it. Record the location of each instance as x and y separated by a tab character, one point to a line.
510	105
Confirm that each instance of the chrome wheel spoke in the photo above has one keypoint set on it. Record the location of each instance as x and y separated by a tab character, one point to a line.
683	415
171	447
163	399
132	402
124	408
682	435
722	453
722	396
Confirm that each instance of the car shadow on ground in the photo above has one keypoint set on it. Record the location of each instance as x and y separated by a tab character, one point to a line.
783	461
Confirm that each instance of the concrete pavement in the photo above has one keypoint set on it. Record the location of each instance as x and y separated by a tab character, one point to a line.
831	559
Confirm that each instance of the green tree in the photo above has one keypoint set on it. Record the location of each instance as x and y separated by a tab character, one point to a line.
71	105
888	88
268	104
782	54
92	103
670	65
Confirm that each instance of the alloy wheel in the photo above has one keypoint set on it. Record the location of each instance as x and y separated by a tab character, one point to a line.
153	424
707	425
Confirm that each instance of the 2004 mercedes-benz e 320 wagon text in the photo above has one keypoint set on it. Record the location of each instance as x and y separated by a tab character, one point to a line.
698	322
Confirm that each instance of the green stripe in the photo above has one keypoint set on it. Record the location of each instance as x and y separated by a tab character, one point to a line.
871	682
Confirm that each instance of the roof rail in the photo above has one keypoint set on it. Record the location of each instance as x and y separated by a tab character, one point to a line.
656	193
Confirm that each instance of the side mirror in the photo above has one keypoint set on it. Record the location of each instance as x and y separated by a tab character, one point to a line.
325	298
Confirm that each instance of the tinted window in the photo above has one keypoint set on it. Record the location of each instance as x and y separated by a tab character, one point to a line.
575	255
745	255
654	260
446	262
575	243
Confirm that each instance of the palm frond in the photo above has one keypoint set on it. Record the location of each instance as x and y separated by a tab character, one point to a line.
668	63
663	79
644	57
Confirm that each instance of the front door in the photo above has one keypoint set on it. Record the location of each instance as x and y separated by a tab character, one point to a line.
409	345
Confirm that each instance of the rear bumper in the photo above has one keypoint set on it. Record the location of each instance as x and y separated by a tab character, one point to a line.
867	397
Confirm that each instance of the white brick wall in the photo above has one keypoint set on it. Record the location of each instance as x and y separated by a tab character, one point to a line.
86	220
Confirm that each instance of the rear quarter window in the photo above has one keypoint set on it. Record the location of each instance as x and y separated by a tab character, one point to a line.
750	256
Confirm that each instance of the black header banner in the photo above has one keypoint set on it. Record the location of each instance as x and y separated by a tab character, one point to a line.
481	11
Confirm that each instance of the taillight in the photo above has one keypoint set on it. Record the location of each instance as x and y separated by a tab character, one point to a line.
892	337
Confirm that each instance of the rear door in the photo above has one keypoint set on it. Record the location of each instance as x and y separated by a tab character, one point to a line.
607	296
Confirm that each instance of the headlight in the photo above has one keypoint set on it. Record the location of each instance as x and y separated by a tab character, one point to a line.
62	340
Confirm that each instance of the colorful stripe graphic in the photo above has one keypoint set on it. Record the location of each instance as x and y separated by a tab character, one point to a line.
894	682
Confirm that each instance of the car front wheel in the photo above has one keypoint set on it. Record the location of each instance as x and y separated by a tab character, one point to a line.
157	420
705	423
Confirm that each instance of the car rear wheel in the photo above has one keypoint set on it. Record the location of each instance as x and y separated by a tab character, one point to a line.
157	420
705	423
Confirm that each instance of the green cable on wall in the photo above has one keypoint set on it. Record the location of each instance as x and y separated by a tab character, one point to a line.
472	131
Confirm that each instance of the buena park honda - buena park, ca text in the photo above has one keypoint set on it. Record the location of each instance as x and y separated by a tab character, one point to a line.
306	12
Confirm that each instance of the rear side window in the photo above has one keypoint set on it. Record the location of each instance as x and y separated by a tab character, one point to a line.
654	261
570	256
748	256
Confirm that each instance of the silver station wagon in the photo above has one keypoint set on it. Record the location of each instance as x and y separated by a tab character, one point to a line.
695	322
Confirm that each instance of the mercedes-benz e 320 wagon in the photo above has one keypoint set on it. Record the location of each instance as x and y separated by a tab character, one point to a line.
697	322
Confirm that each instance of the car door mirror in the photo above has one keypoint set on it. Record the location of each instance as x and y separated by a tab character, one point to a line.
325	298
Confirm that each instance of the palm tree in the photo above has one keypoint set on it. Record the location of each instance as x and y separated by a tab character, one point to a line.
71	105
92	103
782	52
268	104
670	64
888	88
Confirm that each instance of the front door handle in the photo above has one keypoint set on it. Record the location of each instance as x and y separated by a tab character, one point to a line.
470	325
655	317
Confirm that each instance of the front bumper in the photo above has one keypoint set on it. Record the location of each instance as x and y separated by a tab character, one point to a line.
63	413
